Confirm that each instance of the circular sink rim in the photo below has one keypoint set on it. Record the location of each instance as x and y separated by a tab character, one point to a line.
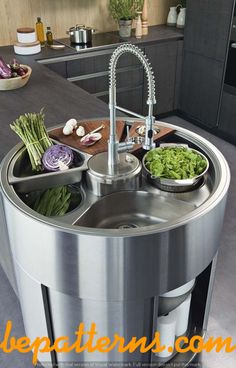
222	170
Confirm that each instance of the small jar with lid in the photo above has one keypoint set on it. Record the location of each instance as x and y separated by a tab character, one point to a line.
49	36
26	35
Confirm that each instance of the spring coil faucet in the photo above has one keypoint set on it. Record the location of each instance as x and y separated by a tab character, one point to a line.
114	147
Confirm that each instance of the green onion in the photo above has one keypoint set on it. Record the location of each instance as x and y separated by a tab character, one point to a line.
32	131
53	202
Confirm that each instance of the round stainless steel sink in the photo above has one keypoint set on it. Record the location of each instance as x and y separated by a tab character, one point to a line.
133	209
110	258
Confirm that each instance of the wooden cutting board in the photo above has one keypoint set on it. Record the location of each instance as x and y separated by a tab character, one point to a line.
164	131
100	146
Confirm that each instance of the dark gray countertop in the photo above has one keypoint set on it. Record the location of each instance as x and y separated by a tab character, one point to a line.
108	40
62	100
160	33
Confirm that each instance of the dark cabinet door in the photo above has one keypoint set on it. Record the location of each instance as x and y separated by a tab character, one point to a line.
207	27
125	78
80	67
227	121
88	85
101	61
91	72
59	68
178	74
131	99
201	88
206	39
162	57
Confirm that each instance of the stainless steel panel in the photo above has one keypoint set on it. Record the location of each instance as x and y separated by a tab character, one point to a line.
127	209
113	275
118	267
33	308
5	250
128	319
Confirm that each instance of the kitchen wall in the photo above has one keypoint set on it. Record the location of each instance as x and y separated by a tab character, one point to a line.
62	14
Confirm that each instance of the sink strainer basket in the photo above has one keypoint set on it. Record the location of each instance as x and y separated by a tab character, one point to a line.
174	185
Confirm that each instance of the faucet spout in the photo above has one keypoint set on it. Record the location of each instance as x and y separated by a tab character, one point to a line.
113	144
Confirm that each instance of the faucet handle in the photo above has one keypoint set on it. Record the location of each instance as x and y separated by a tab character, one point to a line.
134	140
127	134
149	143
125	146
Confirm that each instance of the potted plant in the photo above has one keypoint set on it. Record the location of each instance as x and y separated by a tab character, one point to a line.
124	11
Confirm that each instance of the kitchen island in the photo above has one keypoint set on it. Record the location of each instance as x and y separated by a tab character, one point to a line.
156	244
60	99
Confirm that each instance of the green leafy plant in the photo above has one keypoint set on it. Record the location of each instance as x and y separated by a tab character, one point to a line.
125	9
183	3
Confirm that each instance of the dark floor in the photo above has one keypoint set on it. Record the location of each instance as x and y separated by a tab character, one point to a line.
222	320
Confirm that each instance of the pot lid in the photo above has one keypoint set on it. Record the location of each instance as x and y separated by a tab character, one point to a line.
80	27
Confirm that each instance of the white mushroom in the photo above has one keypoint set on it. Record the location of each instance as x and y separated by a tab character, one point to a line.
80	131
72	123
67	130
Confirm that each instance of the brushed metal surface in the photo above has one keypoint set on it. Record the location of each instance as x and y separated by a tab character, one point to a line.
132	209
125	176
20	173
152	259
117	267
114	275
176	185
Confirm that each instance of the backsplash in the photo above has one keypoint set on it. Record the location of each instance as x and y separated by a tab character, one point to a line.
62	14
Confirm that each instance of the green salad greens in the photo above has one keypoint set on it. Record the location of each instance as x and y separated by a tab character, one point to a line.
175	163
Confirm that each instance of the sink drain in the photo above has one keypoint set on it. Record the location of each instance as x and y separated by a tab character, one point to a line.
127	226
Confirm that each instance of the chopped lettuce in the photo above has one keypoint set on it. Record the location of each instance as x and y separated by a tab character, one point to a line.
175	163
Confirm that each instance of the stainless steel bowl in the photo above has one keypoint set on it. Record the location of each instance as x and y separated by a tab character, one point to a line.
174	185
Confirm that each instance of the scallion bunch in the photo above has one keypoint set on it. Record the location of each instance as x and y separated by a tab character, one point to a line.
32	131
53	202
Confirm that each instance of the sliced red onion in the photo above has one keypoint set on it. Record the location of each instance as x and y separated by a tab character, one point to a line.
90	139
57	157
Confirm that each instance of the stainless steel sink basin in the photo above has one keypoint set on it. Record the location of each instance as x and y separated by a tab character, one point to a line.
111	259
132	209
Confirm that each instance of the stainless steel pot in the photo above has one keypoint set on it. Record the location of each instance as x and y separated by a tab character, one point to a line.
80	34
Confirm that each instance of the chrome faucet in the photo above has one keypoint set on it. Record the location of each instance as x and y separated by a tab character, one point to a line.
114	147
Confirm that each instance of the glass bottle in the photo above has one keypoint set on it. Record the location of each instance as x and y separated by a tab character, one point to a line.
49	36
40	31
